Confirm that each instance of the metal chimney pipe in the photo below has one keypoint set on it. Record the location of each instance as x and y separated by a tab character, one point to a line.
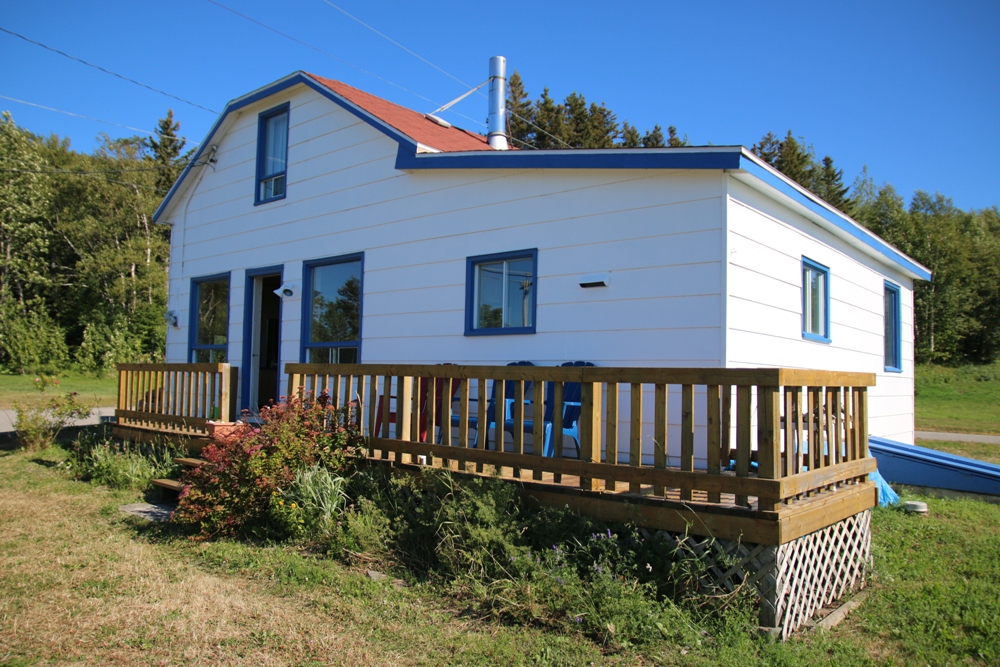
497	135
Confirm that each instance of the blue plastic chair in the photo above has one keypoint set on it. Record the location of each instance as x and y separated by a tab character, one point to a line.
508	423
571	413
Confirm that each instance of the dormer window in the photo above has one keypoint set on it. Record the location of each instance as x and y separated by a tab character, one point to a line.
272	154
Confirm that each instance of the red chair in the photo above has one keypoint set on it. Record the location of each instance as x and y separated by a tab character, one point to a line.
422	387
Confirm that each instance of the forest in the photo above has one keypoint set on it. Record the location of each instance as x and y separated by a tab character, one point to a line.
84	274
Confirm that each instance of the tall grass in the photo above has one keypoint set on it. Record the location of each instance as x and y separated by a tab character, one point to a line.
95	456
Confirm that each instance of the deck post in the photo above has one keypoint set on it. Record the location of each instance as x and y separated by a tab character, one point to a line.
590	428
768	440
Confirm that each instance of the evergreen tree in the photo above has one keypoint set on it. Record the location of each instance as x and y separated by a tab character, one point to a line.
673	140
654	138
550	122
166	150
830	186
603	127
520	112
630	136
578	133
768	149
795	161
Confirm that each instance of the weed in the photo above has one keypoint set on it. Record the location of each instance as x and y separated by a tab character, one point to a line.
95	456
39	423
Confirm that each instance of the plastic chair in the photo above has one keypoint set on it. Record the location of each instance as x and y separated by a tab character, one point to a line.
508	423
439	398
571	412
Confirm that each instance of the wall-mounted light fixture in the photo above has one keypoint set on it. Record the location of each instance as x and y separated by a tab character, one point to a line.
170	317
288	290
595	280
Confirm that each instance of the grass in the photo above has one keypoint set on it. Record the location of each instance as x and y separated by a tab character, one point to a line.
972	450
95	390
84	583
958	400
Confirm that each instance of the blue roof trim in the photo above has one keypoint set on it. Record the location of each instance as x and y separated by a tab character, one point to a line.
277	87
840	222
578	159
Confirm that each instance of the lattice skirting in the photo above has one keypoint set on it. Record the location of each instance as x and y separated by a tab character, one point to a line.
795	580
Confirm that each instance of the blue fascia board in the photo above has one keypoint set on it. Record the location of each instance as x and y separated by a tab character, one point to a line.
920	466
278	86
841	222
619	158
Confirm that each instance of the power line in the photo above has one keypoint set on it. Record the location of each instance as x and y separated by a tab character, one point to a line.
81	173
70	113
107	71
97	120
337	58
56	170
445	72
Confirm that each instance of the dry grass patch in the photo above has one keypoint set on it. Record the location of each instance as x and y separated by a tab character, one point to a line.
81	584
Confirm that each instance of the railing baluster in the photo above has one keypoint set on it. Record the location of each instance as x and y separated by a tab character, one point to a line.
538	427
661	426
768	440
482	433
518	418
635	433
713	421
590	428
611	433
743	444
404	405
687	434
558	389
463	420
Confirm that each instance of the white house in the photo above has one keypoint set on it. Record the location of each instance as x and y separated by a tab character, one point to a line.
393	237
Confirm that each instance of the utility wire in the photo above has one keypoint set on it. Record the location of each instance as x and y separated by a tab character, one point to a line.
57	170
445	72
107	71
81	173
70	113
337	58
97	120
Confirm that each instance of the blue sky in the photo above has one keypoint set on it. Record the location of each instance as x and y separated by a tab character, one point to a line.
912	89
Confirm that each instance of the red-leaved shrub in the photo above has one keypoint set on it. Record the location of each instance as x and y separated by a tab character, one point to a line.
230	494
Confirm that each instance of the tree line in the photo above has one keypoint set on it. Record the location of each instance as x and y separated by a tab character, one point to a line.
84	273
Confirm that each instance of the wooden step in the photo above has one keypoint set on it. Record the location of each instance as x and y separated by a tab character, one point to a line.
169	485
188	462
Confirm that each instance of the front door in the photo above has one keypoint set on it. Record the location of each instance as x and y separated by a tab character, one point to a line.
265	341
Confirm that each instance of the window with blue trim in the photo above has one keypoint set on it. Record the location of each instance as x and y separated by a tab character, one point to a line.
501	293
893	329
209	330
332	310
272	154
815	301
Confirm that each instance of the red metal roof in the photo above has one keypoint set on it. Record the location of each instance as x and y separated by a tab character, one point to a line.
409	122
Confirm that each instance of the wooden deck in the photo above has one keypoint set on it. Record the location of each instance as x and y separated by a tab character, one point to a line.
638	431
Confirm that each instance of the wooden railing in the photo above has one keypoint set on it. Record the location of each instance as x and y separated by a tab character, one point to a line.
766	439
175	398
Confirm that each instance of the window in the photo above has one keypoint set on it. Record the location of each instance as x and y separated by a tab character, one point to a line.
272	154
331	317
815	301
209	335
893	330
501	293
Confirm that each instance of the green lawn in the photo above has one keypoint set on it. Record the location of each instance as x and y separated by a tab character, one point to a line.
972	450
958	400
100	392
84	583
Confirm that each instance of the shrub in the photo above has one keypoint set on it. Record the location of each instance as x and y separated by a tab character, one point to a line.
95	456
105	346
31	342
232	493
38	425
311	504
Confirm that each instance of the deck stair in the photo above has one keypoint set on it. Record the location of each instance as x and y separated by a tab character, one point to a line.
173	485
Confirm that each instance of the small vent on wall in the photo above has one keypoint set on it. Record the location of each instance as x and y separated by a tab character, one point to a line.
595	280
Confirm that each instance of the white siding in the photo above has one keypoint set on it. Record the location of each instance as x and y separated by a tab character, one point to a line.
659	235
767	242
